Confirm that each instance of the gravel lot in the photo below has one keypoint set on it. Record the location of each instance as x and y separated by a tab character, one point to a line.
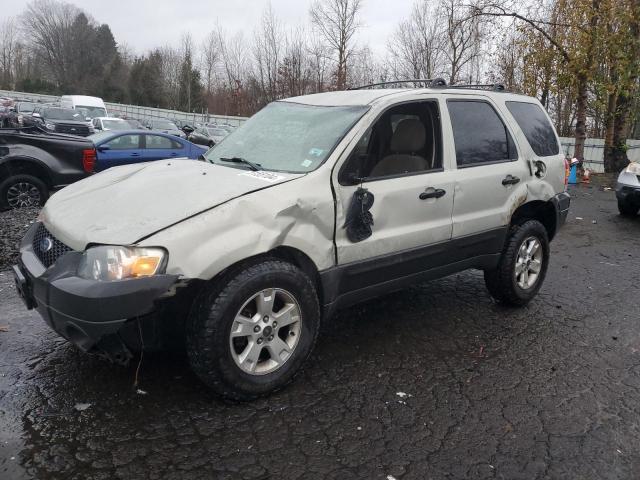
13	225
433	382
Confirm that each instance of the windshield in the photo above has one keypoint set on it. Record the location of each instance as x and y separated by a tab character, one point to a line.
25	107
135	124
288	137
62	114
218	132
115	124
92	112
164	125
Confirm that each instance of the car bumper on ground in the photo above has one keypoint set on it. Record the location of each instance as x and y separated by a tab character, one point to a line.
91	314
561	203
628	193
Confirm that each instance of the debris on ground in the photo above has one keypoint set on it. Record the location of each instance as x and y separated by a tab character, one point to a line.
579	218
81	407
139	391
4	328
402	394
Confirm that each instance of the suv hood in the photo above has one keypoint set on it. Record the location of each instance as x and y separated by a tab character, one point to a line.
124	204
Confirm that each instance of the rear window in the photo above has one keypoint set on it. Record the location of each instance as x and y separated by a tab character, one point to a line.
536	127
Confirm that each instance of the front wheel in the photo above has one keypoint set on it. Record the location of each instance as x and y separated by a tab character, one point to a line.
522	267
251	332
627	209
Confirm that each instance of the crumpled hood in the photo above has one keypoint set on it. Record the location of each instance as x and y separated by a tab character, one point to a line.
124	204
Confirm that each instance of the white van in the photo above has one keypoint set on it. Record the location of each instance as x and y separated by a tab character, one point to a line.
93	106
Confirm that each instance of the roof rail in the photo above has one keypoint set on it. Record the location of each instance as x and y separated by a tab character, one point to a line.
497	87
429	82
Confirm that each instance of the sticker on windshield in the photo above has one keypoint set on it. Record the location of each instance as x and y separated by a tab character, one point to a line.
316	152
306	163
266	176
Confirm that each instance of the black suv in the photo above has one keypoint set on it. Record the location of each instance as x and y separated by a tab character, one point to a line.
61	120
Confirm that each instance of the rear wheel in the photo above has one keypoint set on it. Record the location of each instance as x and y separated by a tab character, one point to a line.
251	333
627	209
522	267
22	190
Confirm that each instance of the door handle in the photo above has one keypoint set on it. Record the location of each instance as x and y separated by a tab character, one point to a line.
135	154
434	193
510	180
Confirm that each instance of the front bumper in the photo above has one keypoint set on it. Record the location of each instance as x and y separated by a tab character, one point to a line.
91	314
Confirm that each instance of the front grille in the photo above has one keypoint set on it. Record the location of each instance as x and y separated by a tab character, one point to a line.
47	247
82	130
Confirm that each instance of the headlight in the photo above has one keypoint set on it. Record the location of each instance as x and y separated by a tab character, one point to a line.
113	262
633	168
49	126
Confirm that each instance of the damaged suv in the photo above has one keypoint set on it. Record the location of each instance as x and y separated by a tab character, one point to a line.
315	203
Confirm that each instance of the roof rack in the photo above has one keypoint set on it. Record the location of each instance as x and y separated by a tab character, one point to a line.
434	83
429	82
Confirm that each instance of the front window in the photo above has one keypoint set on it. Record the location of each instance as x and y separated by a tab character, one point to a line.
92	112
115	125
62	114
164	125
26	107
288	137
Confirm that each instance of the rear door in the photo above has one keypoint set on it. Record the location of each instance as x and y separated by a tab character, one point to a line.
120	150
491	179
158	147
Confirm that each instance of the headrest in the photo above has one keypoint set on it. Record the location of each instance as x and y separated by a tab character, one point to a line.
409	137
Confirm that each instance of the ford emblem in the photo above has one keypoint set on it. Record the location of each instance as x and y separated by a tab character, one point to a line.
46	244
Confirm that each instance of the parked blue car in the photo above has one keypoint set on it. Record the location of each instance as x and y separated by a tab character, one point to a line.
121	147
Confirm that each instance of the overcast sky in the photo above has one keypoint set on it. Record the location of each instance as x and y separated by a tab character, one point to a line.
143	24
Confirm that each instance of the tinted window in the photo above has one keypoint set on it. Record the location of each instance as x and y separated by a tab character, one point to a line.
156	141
536	127
124	142
479	134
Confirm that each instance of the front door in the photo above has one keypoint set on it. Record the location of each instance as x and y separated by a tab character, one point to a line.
399	161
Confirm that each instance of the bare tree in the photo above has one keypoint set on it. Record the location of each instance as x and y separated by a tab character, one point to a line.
417	43
462	31
337	21
267	46
50	27
210	60
8	48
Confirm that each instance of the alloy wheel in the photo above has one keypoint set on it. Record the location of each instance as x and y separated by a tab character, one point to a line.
265	331
23	194
528	263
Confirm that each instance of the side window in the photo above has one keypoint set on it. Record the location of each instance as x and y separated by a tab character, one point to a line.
124	142
164	143
405	140
479	134
536	127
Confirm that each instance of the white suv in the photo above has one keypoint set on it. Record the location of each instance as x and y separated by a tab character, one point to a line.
315	203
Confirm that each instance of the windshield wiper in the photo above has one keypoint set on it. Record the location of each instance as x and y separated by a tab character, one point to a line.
253	166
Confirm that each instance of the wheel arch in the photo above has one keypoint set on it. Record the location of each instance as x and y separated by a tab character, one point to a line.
25	165
540	210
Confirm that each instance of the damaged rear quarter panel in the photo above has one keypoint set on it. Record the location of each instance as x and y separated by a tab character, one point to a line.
297	214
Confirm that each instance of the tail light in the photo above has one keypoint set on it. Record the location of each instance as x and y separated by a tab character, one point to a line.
567	171
89	159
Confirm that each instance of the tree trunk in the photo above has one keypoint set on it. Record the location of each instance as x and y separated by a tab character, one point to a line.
581	117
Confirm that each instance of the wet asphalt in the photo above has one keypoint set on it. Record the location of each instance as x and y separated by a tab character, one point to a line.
433	382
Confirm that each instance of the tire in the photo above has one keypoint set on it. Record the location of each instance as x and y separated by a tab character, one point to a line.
30	191
503	283
214	355
627	209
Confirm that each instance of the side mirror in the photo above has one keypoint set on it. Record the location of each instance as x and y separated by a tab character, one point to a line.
188	129
103	148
